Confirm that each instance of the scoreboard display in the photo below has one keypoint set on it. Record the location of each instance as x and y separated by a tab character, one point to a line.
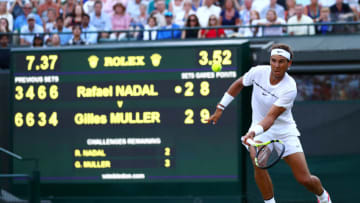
122	114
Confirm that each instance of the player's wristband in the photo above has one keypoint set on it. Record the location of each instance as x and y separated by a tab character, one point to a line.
258	129
226	100
219	106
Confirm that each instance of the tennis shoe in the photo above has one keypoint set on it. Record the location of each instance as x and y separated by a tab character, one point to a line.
327	200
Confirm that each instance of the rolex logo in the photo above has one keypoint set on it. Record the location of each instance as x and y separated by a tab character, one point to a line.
155	59
93	61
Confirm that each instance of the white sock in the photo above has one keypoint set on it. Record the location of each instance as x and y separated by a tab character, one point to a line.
323	196
272	200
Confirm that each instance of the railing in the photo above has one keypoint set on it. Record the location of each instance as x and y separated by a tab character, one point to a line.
136	33
33	180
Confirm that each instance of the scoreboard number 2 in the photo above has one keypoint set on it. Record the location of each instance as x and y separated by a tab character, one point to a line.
223	57
189	116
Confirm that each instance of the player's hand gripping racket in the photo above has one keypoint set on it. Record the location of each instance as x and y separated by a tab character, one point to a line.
267	153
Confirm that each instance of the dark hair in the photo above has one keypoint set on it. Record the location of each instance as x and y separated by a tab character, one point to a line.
285	47
38	36
152	17
4	34
98	2
188	20
76	26
86	15
60	18
7	24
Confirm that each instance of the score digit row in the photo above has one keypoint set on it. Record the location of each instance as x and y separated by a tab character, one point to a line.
29	119
41	92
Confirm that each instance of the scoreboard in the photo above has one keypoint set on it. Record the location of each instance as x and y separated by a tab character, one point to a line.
127	113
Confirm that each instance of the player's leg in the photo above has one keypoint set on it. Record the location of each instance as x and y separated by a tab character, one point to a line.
262	179
298	165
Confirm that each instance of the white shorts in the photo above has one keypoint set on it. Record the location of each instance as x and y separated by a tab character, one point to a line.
291	142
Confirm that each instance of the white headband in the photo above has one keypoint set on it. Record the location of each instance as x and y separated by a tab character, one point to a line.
281	52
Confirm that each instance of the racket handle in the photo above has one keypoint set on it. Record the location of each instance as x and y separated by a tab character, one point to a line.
250	141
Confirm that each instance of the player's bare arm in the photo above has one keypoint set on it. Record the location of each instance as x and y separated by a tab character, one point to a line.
267	122
233	91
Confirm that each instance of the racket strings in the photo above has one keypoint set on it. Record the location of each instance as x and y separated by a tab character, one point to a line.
269	154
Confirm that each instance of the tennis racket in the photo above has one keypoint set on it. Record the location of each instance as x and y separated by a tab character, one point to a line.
267	153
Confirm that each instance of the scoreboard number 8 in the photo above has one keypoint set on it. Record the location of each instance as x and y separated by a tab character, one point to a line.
218	56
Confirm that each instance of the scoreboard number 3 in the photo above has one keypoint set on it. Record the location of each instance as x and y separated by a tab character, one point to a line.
222	57
48	62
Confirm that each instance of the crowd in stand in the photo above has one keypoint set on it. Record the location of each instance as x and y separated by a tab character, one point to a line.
77	22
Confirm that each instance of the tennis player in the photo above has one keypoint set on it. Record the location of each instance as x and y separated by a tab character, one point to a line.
273	95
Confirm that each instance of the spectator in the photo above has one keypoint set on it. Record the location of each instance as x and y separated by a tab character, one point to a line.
4	25
100	20
300	18
355	6
16	8
30	28
78	14
4	43
133	8
323	19
55	40
152	5
192	22
62	31
5	14
50	24
290	9
141	19
109	5
176	7
250	31
271	25
21	20
88	6
34	4
89	32
68	8
245	12
38	40
69	22
282	3
313	10
259	5
160	10
280	11
214	32
151	27
341	11
169	34
120	21
229	16
197	4
208	9
76	38
182	16
43	9
5	54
